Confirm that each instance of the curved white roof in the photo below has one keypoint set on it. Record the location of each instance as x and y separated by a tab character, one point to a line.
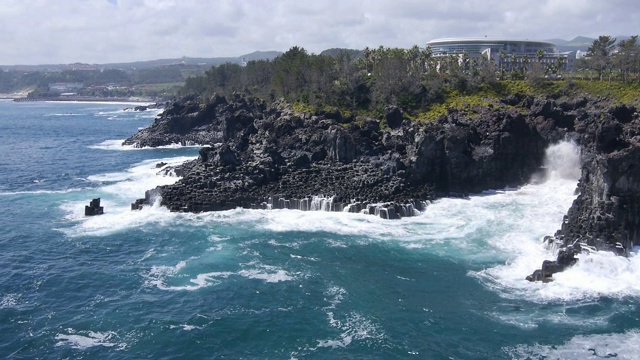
484	40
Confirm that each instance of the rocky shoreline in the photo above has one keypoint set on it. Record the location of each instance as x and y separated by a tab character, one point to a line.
263	155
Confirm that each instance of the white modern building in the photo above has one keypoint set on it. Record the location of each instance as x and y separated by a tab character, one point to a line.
505	52
65	86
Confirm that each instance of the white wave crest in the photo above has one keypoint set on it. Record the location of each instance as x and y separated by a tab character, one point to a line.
616	346
119	190
170	278
10	301
116	144
353	327
39	192
86	339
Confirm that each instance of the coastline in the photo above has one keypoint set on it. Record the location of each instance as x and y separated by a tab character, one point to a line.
270	156
83	99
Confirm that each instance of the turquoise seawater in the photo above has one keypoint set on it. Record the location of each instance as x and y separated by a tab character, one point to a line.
448	284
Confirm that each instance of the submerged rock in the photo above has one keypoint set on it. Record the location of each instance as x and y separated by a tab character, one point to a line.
566	258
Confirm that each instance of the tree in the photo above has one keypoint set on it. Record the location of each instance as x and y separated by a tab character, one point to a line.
599	54
628	57
426	59
525	65
368	58
540	55
503	56
560	63
514	68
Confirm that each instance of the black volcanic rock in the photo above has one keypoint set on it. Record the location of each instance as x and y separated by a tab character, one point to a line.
259	153
269	156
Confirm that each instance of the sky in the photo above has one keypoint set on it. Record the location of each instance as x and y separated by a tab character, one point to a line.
107	31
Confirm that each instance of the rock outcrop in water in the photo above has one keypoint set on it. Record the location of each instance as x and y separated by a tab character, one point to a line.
269	156
93	208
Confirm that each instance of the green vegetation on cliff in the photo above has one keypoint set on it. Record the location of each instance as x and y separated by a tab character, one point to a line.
423	85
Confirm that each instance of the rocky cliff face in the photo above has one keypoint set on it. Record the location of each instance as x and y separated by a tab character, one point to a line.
606	214
263	155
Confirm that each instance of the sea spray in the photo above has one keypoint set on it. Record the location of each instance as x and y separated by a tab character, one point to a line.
562	161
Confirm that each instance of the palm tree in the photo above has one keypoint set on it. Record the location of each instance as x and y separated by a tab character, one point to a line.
514	68
414	56
503	56
560	61
474	67
465	61
426	56
525	63
368	58
540	55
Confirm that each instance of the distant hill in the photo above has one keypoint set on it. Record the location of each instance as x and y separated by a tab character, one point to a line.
334	52
579	42
256	55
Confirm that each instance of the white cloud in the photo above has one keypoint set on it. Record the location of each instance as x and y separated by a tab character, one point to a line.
101	31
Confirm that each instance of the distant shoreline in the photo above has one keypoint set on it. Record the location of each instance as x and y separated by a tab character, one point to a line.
84	99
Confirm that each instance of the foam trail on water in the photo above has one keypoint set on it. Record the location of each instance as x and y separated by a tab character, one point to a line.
86	339
615	346
117	145
172	278
38	192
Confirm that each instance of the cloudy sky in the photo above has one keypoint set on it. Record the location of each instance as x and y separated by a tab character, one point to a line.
104	31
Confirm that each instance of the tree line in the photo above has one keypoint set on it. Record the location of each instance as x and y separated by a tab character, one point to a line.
346	79
411	78
609	59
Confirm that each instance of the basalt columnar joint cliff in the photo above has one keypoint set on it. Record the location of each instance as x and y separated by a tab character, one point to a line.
261	155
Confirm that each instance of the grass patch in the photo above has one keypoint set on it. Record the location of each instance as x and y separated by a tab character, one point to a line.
627	93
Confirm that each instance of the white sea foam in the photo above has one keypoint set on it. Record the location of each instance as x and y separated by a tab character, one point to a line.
134	103
119	190
504	227
542	207
117	218
332	222
353	327
39	192
10	301
170	278
270	276
139	178
563	314
86	339
112	145
66	114
117	145
624	346
199	282
185	327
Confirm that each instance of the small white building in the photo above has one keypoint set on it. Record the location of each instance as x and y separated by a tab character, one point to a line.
63	87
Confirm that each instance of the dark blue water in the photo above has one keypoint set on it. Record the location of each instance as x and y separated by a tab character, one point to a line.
448	284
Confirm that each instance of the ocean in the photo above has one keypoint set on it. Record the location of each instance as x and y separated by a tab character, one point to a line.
280	284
